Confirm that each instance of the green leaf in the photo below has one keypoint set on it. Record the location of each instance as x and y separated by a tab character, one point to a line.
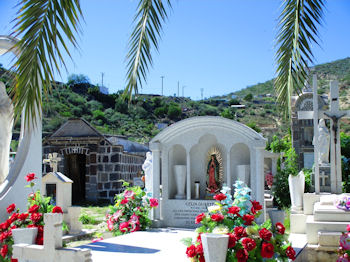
186	241
149	18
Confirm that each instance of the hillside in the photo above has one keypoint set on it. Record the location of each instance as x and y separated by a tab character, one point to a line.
140	120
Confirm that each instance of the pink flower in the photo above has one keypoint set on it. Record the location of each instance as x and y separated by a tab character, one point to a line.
135	227
129	194
97	239
345	241
57	209
134	219
153	202
10	208
30	177
124	227
117	215
110	224
348	228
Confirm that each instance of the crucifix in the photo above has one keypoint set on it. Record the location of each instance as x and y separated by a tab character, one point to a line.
53	160
335	115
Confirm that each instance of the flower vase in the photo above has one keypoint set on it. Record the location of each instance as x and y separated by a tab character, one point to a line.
180	179
277	216
215	247
296	188
24	235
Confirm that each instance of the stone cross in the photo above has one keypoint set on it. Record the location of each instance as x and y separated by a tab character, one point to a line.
323	178
52	249
335	115
53	159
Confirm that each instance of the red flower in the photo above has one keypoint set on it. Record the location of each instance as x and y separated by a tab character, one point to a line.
220	197
13	218
248	243
242	255
290	252
5	235
240	232
265	234
201	258
10	208
280	228
248	219
153	202
191	251
36	217
30	177
199	218
123	227
217	217
4	251
4	226
124	201
267	250
231	240
233	210
256	206
199	249
23	216
199	238
14	260
57	209
33	209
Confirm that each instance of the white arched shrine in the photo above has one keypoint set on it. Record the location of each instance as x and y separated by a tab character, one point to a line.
28	158
187	142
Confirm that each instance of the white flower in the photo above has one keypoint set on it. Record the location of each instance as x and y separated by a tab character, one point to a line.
213	209
220	230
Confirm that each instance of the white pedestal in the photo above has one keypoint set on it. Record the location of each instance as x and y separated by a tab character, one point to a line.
296	188
215	247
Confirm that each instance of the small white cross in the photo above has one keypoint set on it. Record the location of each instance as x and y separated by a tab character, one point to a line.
53	159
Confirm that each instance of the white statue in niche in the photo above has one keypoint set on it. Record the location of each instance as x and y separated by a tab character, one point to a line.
323	141
6	124
147	167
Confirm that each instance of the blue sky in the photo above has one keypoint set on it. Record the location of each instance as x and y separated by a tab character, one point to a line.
218	45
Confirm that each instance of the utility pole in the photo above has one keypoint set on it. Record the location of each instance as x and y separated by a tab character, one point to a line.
183	91
162	77
178	88
202	89
102	75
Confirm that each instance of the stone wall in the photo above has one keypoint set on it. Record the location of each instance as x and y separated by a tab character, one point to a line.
106	165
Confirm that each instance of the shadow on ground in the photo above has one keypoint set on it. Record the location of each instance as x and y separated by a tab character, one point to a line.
117	248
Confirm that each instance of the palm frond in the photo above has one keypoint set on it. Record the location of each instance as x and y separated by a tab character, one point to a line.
42	26
297	31
146	34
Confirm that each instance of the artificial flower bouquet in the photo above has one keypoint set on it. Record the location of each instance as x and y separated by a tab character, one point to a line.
131	211
248	241
343	202
37	206
344	246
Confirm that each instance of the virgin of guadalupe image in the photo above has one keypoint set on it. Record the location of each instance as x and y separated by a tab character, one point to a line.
213	175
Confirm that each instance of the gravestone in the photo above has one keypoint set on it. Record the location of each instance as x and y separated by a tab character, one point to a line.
191	143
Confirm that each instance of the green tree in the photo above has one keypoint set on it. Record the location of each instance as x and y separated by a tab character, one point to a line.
74	79
248	97
174	111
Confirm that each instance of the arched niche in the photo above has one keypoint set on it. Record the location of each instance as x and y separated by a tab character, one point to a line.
199	162
240	155
177	156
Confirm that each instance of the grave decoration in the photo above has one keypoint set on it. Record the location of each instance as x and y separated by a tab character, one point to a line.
344	246
247	239
131	211
343	202
37	206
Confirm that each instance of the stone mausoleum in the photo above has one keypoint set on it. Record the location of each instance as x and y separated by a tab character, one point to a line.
95	162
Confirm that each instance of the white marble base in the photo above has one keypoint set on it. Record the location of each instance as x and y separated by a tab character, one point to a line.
297	223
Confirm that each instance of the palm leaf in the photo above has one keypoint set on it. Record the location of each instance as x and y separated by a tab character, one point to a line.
149	18
297	30
42	26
